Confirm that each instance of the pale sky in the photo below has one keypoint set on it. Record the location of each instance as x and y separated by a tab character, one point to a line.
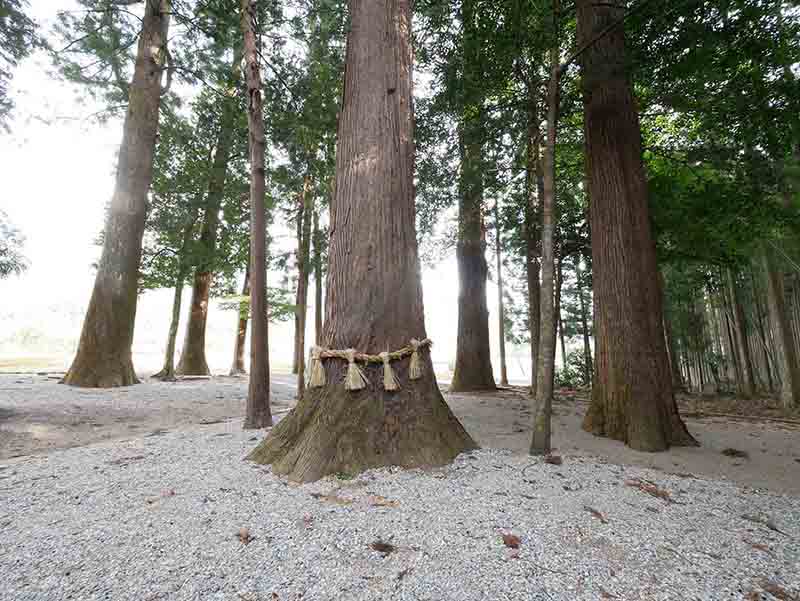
57	176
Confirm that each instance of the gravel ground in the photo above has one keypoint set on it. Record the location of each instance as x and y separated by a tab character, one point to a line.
157	518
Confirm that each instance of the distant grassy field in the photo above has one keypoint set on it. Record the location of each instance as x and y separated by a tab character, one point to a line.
27	364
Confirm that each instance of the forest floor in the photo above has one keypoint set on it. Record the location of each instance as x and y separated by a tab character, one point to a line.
153	501
39	415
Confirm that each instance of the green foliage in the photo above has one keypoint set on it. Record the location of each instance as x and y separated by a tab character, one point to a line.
279	301
18	38
12	259
572	375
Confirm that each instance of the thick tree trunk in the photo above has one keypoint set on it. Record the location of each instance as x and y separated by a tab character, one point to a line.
587	346
632	398
747	383
317	281
783	343
473	366
374	292
501	313
533	226
193	356
238	368
257	410
303	272
545	372
104	351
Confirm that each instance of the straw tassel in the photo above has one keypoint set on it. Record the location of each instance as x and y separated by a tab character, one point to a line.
415	366
317	373
355	379
389	381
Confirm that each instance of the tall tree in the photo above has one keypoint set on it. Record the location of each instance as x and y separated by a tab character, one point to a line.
257	409
632	398
473	366
18	38
243	316
501	314
305	217
193	355
374	292
104	351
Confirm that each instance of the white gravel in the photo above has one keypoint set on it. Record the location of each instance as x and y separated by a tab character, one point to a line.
158	517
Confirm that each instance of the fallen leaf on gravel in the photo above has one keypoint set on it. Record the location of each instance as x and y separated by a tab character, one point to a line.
168	493
778	591
759	546
604	594
244	535
383	548
332	499
596	514
731	452
379	501
553	459
511	541
650	488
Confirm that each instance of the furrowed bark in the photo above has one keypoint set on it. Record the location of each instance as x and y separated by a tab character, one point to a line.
632	398
104	351
257	410
374	291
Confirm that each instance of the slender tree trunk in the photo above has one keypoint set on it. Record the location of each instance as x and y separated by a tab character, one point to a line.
374	291
501	313
257	410
533	227
317	281
785	355
473	366
748	385
238	367
632	398
301	304
561	337
167	372
587	346
193	356
545	373
104	357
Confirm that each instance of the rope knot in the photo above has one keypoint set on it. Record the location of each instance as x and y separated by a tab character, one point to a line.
355	379
389	380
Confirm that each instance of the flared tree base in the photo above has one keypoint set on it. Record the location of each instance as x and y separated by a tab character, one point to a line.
165	375
653	432
93	372
193	365
333	430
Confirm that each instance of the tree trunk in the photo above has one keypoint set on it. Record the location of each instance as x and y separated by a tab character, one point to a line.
374	291
533	227
632	398
559	315
104	351
303	272
238	368
257	410
167	372
545	372
193	356
473	366
587	346
747	382
501	314
783	344
317	281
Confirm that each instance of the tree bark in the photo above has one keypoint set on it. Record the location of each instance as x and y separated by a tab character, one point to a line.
632	398
257	410
545	372
747	383
473	366
587	346
317	281
533	226
303	272
104	351
782	341
501	313
193	356
374	291
238	368
559	315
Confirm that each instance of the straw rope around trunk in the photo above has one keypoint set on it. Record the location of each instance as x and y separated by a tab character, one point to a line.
355	378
